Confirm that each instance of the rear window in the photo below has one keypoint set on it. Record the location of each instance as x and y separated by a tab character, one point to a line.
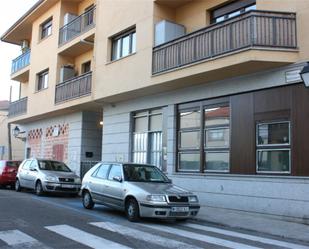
13	163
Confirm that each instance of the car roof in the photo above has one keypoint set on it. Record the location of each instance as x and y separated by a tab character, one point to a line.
126	163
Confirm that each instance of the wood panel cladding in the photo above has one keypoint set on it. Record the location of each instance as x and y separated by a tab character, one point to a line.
282	103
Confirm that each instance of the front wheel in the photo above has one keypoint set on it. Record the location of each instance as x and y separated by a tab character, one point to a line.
132	210
87	200
17	186
39	189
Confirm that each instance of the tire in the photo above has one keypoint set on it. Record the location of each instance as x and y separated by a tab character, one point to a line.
132	210
87	200
39	189
17	186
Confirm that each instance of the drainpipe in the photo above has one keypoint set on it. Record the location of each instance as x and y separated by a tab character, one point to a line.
9	142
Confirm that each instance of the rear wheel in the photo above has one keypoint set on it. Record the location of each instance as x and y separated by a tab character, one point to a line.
39	189
132	210
87	200
17	186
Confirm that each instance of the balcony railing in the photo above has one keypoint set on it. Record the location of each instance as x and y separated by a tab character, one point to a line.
18	107
272	30
77	26
20	62
73	88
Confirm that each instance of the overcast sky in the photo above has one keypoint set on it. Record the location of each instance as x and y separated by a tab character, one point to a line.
12	10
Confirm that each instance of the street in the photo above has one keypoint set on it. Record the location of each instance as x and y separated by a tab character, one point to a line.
28	221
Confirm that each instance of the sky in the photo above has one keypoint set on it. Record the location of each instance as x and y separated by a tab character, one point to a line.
13	10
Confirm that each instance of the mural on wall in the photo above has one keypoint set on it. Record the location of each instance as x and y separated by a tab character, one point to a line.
52	144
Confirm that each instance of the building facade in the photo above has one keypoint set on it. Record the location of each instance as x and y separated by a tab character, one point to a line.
209	91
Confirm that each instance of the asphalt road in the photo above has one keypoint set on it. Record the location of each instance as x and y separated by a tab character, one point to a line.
28	221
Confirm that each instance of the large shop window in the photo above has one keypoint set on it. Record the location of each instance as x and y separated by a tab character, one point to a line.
204	139
273	147
147	137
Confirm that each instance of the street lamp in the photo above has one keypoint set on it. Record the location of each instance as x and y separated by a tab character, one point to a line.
17	132
304	74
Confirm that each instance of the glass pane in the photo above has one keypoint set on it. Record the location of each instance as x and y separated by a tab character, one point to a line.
156	149
141	124
190	119
102	172
190	139
274	161
219	19
277	133
218	161
134	42
189	161
115	171
116	49
125	46
236	13
217	116
140	148
156	123
252	7
217	138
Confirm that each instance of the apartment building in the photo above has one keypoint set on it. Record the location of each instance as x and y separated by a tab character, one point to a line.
210	91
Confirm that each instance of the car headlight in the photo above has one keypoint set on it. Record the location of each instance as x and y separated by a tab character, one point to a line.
51	178
156	198
193	198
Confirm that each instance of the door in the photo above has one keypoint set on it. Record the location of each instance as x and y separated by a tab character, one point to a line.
58	152
33	174
97	183
23	174
114	188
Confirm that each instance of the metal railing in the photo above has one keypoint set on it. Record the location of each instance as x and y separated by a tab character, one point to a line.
252	29
85	166
74	88
77	26
18	107
20	62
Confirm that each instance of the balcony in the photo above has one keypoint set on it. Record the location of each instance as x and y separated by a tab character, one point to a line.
18	107
252	30
19	70
76	27
73	88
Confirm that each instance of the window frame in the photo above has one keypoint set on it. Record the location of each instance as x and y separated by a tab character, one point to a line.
40	76
201	106
273	147
44	27
114	40
84	65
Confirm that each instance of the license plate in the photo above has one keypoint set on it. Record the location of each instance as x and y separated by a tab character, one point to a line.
67	186
180	209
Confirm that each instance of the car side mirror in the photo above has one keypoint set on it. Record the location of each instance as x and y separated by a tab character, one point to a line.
117	178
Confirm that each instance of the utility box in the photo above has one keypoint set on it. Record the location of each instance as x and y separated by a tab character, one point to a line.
66	72
166	31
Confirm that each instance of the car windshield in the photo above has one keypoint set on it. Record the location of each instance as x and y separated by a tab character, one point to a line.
13	163
143	173
53	166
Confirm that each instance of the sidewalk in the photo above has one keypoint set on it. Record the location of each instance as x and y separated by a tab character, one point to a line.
267	224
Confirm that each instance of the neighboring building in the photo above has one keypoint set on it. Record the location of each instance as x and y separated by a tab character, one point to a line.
208	90
17	145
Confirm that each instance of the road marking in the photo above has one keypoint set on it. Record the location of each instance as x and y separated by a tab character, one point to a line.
246	236
144	236
15	237
84	238
200	237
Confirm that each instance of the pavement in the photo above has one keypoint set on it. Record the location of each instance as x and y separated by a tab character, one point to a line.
264	224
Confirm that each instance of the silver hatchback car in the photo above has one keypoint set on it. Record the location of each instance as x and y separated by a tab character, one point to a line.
47	176
139	190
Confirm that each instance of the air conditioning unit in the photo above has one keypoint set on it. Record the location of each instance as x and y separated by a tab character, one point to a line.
166	31
67	72
24	46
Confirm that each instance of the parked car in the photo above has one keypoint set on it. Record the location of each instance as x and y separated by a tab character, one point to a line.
139	190
47	176
8	171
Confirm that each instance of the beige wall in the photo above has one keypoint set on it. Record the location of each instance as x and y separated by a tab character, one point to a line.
133	74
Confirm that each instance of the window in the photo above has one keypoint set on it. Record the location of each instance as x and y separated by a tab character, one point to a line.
273	153
42	80
124	44
204	138
46	28
147	137
231	10
115	171
88	15
102	171
86	67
